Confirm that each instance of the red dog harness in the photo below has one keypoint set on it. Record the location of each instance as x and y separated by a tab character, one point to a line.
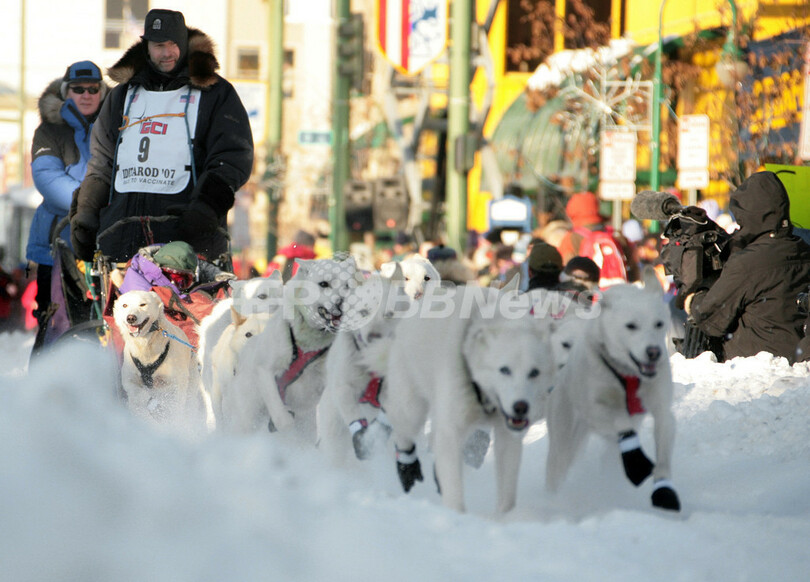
300	361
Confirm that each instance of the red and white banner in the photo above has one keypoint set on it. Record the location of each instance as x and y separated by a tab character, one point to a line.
411	33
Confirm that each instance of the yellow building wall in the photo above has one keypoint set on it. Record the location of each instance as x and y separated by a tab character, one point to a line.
680	17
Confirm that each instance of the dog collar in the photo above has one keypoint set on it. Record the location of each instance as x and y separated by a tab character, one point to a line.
147	371
485	402
630	385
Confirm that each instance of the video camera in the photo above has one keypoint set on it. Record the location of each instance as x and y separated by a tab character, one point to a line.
696	247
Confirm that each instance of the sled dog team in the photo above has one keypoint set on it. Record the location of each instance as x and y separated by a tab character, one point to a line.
351	361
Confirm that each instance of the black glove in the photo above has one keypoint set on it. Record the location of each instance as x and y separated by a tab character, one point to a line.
83	229
196	219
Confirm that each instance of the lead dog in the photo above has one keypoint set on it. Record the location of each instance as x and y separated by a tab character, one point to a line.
617	370
159	372
281	375
466	364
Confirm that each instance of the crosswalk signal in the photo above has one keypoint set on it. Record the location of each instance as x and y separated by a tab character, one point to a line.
351	50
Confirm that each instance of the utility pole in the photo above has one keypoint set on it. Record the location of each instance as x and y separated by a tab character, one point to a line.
275	91
458	123
340	128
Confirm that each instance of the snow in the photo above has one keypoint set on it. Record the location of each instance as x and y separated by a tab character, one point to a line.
89	493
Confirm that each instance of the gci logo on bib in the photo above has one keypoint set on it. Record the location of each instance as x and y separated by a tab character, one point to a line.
154	154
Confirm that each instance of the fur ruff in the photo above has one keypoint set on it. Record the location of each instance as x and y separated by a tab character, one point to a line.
202	63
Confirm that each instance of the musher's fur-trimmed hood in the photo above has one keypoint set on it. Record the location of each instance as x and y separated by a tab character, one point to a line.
201	62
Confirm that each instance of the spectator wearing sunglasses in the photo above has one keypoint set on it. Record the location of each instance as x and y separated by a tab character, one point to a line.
173	138
59	155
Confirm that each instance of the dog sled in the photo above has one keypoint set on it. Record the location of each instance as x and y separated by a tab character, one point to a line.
83	293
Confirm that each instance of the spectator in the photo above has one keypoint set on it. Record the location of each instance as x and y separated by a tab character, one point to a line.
592	238
581	275
301	247
172	138
544	266
450	267
60	151
752	305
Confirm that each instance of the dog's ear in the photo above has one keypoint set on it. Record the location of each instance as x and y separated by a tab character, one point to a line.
513	284
396	274
275	276
236	317
303	266
650	280
387	269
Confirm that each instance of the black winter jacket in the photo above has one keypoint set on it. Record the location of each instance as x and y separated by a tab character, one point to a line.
752	306
223	154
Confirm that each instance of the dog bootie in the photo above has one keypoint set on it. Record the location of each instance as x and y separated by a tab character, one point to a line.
664	496
637	466
408	468
476	447
359	430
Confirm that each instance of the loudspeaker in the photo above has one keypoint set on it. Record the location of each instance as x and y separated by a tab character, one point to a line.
358	202
391	204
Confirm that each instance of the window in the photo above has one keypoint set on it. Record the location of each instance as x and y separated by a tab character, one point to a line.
530	29
123	20
247	63
529	34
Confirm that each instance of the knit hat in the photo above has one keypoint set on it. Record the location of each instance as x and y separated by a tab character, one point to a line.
81	72
583	209
544	258
441	253
163	25
176	255
582	268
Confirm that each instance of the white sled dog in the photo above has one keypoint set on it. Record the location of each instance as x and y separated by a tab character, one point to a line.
467	362
349	413
159	372
225	354
281	372
251	296
617	370
417	271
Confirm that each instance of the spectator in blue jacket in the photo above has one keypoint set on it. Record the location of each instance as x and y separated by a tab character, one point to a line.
59	154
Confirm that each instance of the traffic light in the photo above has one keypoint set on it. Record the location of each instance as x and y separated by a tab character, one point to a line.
358	198
351	50
391	204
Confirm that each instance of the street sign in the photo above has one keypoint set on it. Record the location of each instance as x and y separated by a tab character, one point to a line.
693	152
617	190
693	142
618	156
617	165
411	33
315	137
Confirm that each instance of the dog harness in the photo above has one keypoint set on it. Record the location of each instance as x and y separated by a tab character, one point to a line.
630	385
300	361
147	371
371	394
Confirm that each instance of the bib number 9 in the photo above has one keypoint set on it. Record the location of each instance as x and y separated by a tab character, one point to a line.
143	150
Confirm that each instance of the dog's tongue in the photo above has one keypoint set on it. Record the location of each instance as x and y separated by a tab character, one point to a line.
134	329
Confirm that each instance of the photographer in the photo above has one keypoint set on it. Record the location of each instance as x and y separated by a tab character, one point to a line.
752	305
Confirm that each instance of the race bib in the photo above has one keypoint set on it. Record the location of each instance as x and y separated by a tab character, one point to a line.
154	154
